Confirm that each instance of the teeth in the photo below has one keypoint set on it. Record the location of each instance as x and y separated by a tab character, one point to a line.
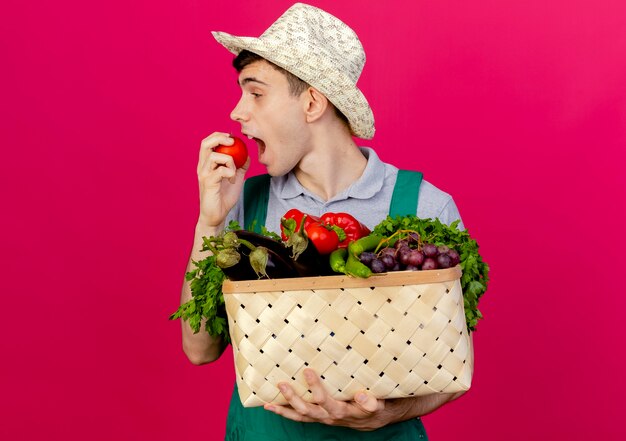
249	137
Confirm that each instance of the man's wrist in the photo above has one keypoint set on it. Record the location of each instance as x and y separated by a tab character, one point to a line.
203	228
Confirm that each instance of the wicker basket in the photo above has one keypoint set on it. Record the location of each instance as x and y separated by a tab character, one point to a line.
398	334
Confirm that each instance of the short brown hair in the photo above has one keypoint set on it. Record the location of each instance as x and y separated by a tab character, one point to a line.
296	85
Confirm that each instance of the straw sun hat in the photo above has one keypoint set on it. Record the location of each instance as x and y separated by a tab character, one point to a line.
319	49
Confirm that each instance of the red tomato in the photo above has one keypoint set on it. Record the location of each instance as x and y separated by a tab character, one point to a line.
326	241
238	151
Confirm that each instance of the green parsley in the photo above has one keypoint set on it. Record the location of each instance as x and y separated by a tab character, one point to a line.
207	300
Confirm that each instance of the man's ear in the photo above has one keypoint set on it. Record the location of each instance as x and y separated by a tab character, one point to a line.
315	104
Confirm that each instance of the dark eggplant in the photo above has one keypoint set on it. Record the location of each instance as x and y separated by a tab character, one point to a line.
259	240
307	260
308	264
311	263
279	265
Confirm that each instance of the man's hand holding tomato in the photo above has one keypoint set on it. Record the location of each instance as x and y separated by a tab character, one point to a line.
237	150
220	181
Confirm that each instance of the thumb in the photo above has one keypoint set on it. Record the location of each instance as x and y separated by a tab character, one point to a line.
240	173
368	403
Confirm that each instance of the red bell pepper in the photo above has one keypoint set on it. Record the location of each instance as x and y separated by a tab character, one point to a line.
288	227
331	231
325	238
349	224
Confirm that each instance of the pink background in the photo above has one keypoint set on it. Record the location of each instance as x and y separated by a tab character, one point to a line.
516	108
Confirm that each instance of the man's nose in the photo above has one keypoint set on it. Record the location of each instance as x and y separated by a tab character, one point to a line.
239	113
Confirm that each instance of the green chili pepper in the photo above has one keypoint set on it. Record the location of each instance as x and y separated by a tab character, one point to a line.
366	243
337	260
355	268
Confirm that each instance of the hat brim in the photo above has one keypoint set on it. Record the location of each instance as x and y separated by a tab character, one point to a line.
342	93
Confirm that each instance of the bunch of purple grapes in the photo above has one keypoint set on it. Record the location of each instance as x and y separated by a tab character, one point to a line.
412	255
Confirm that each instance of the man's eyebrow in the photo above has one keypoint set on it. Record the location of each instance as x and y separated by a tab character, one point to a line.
251	80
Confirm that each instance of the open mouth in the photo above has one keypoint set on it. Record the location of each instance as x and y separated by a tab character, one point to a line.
260	144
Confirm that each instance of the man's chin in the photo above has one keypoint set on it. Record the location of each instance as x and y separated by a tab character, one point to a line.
270	171
274	171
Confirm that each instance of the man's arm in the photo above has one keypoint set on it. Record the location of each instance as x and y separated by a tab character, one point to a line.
220	184
200	348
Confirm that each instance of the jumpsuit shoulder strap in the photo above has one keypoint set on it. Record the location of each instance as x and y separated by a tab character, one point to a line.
405	193
256	195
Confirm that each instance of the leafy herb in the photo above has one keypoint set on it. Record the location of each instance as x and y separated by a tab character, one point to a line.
207	300
270	234
233	225
475	271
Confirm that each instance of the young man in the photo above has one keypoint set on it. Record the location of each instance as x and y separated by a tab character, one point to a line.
301	105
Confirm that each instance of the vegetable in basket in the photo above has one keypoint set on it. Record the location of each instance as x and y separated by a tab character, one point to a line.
240	255
352	228
349	262
265	257
411	243
365	256
328	232
299	229
445	239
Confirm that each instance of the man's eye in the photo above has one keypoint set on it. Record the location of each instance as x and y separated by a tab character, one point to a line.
254	94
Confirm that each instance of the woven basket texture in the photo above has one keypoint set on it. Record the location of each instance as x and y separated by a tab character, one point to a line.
397	336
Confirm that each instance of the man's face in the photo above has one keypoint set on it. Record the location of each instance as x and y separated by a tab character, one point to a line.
275	118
